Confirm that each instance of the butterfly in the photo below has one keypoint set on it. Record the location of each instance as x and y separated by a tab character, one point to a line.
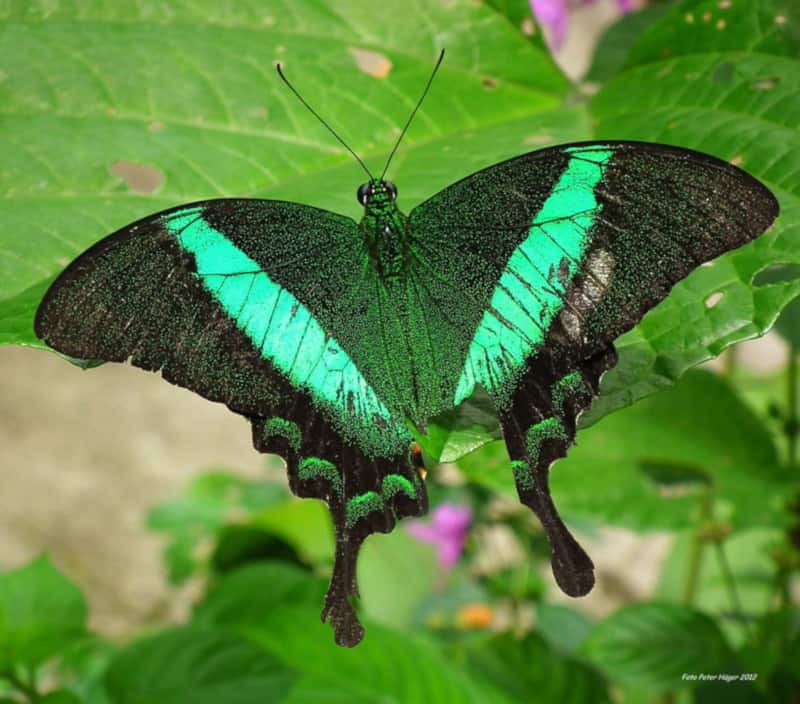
337	339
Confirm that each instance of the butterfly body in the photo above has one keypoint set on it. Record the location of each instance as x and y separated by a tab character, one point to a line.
331	337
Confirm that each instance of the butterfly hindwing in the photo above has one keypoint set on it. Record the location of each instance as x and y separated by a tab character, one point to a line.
241	301
550	256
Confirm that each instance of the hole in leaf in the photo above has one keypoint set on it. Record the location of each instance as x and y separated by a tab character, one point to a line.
723	73
489	83
725	4
713	299
674	479
538	139
371	62
528	27
140	178
766	83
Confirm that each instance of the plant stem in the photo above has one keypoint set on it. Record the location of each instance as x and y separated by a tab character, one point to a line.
29	690
729	361
730	584
696	555
791	425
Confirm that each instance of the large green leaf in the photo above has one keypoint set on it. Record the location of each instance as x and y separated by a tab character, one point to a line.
41	613
249	594
112	111
649	466
523	666
616	42
396	575
196	665
388	666
723	78
209	502
657	644
748	556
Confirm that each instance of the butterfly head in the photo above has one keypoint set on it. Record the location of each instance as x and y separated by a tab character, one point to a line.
376	192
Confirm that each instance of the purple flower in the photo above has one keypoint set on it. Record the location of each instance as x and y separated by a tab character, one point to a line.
554	14
447	530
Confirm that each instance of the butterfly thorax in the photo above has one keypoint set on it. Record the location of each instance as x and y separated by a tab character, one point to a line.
384	229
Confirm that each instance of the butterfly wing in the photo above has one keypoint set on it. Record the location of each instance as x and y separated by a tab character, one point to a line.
243	302
549	257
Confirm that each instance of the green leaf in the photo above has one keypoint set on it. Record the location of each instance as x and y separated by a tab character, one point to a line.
196	665
788	323
113	111
247	595
396	575
62	696
41	612
239	544
524	666
390	667
616	42
306	525
654	645
563	627
747	554
460	431
723	78
209	502
699	425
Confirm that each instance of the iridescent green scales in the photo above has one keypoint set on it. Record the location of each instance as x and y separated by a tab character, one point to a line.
533	285
360	506
547	429
394	484
570	385
314	467
279	326
523	476
282	428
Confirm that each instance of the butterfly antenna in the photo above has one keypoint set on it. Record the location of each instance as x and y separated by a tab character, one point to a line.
413	112
327	126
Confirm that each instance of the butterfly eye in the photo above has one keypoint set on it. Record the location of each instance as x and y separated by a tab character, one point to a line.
391	189
364	190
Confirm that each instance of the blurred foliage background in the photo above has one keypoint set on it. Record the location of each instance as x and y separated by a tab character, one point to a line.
111	111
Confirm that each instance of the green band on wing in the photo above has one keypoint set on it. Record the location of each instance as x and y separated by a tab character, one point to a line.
394	484
568	386
523	476
286	429
532	287
547	429
361	506
314	468
283	330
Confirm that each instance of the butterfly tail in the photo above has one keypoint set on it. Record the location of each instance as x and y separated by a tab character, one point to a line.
535	440
364	494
